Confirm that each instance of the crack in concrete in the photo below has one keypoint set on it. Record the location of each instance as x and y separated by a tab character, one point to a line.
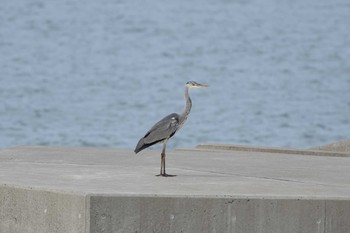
266	178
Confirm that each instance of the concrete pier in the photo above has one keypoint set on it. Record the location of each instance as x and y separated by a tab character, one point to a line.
218	188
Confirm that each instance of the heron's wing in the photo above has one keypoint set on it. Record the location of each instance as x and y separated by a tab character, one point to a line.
163	129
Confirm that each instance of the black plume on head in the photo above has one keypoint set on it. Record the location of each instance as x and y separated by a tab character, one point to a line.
191	82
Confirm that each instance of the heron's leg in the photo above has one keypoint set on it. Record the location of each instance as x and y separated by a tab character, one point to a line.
163	159
162	163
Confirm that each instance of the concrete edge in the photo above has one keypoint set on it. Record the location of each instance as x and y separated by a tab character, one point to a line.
243	197
42	189
233	147
89	195
87	213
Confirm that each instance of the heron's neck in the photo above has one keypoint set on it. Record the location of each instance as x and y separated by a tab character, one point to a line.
187	110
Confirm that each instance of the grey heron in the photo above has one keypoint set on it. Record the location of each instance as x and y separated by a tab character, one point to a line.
164	129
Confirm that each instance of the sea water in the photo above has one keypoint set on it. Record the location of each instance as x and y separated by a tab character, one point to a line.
101	73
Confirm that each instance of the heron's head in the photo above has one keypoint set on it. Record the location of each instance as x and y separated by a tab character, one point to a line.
193	84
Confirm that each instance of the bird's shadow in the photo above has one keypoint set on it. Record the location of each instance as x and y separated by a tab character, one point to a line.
166	175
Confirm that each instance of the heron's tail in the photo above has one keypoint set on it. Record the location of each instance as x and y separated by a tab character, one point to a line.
140	146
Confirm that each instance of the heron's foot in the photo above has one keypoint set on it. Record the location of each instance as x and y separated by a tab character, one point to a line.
166	175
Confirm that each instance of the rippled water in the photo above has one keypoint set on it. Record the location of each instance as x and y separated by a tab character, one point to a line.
100	73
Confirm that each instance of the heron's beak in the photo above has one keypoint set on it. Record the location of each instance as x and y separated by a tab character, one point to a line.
202	85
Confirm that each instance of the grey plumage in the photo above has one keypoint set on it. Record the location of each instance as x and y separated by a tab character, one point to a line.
164	129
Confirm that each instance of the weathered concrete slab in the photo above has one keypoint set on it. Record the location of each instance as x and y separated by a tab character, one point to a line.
177	214
52	189
39	211
337	216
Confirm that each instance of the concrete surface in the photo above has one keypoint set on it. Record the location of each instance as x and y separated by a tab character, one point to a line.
52	189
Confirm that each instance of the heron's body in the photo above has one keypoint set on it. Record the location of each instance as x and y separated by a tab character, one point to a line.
167	127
